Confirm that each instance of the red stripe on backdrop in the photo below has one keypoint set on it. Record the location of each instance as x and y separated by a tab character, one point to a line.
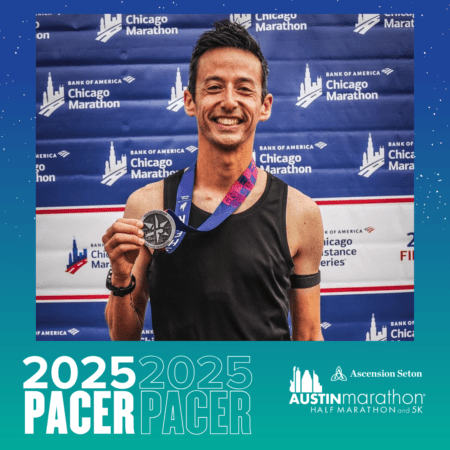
70	297
328	290
361	201
80	210
368	289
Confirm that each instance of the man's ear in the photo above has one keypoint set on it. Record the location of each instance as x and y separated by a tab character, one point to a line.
266	109
189	104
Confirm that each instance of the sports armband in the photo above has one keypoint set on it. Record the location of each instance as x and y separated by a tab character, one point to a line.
304	281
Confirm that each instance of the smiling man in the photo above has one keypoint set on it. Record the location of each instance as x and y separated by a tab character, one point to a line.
257	249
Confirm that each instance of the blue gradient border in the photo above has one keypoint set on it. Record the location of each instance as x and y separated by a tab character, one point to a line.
429	351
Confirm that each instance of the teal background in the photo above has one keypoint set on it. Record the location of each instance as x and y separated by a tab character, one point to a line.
274	422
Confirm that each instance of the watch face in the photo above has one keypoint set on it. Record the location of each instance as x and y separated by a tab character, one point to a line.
159	229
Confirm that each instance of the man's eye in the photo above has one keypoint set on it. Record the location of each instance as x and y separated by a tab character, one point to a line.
213	88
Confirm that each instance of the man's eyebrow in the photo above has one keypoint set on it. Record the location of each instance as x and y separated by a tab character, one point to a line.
239	80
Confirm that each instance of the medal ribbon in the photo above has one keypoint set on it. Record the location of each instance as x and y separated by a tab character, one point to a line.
233	199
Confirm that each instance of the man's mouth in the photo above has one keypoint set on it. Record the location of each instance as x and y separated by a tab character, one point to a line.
227	121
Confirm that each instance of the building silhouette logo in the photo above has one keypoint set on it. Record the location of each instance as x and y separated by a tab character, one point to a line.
338	376
52	99
372	160
114	169
304	383
366	22
109	26
176	101
76	259
373	334
309	91
243	19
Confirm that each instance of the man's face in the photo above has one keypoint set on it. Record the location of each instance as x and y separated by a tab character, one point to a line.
228	98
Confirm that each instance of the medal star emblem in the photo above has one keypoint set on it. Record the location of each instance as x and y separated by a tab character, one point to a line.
159	229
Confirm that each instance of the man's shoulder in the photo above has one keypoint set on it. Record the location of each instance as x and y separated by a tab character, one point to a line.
300	204
145	199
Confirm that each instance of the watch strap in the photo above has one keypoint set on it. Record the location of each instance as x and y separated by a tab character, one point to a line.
120	291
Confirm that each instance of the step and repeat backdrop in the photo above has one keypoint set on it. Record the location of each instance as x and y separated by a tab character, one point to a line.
110	119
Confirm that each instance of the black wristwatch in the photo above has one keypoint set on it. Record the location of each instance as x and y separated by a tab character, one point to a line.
120	291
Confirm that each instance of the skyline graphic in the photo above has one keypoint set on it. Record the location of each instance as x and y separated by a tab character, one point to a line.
52	99
305	383
366	22
109	26
114	169
309	91
372	160
76	259
373	335
243	19
177	94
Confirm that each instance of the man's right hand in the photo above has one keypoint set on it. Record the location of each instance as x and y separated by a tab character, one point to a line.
123	241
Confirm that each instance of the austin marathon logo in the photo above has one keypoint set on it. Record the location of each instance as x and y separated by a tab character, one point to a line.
367	21
304	383
306	390
176	101
52	99
76	259
114	169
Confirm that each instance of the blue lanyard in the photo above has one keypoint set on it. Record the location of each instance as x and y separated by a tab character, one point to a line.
232	200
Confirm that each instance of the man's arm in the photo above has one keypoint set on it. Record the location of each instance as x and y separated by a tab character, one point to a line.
128	256
305	238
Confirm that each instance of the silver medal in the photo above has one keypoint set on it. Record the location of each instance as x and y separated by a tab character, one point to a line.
159	228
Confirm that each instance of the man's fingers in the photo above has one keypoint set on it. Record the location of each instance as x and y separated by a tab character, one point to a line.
124	226
119	239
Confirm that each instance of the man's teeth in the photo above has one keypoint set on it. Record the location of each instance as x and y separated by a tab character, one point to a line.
227	121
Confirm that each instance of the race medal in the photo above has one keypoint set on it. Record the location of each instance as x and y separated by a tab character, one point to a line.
159	229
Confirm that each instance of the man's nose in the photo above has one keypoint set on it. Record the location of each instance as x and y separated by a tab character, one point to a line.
229	102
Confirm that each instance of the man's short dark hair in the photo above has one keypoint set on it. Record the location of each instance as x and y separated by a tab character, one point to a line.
226	34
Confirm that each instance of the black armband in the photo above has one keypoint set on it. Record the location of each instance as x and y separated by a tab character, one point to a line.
304	281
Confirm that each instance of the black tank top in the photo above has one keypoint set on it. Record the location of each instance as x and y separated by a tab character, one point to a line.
229	283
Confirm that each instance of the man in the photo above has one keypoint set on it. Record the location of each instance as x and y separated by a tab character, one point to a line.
233	282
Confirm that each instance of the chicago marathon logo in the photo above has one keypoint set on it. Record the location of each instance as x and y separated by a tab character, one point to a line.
372	160
114	168
176	101
76	259
367	21
373	334
52	99
305	383
109	26
242	19
309	91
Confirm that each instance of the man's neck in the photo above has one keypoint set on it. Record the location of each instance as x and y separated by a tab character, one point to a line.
217	170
